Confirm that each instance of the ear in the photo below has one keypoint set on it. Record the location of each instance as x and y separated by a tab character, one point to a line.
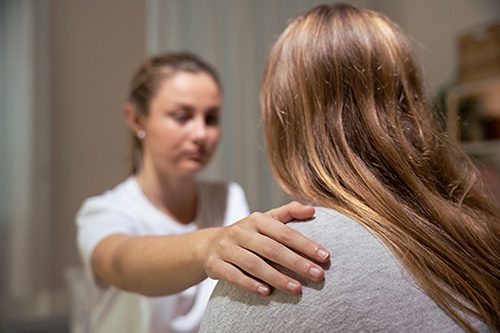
133	118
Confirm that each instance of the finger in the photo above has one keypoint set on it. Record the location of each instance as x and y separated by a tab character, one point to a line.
233	275
270	249
258	268
292	211
291	238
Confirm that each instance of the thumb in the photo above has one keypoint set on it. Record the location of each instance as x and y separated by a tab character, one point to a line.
292	211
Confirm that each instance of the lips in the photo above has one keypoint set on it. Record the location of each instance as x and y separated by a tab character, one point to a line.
198	156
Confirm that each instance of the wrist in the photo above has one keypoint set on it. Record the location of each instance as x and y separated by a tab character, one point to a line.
207	238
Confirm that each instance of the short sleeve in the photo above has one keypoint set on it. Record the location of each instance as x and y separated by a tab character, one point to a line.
97	220
237	206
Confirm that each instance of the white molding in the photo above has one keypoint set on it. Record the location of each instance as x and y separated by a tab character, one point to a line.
26	131
40	305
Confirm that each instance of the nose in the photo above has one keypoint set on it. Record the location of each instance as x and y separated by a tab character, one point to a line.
200	130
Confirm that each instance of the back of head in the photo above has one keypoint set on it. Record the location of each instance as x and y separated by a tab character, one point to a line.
343	76
347	127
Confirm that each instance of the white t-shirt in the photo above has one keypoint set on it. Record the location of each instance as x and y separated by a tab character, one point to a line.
126	210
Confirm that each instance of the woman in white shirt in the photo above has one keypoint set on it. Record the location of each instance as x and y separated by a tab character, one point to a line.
149	244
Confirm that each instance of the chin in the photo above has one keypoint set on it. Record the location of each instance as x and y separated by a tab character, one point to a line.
193	167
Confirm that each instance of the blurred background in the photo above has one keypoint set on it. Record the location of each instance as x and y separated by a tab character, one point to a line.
64	72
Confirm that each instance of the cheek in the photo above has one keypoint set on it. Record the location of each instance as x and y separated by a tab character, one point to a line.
171	135
214	137
166	144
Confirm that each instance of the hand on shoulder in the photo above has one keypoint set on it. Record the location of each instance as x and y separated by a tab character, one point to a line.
239	253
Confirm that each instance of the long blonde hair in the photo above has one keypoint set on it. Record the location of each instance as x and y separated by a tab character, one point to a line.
347	126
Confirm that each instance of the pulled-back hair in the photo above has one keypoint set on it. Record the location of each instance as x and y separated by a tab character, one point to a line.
347	126
151	74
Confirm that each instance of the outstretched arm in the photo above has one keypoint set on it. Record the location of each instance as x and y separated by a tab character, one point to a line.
164	265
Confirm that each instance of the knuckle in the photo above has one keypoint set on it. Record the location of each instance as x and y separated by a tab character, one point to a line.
253	265
234	231
288	235
300	264
311	245
273	251
232	277
210	266
223	244
256	216
253	238
248	285
281	281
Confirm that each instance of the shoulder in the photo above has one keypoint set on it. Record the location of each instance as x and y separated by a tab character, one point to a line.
118	198
114	211
117	210
365	289
355	249
337	230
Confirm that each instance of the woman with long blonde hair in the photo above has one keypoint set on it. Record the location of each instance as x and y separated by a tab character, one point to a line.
414	237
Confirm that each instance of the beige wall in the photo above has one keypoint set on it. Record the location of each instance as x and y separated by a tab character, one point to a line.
435	27
95	46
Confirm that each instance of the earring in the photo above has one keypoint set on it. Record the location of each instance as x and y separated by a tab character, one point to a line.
141	134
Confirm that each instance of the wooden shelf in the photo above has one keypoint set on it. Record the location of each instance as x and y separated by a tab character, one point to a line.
471	88
482	148
482	90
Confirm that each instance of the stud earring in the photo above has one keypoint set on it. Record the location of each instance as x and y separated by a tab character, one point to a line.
141	134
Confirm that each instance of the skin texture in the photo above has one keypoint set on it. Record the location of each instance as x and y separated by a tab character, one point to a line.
182	125
181	135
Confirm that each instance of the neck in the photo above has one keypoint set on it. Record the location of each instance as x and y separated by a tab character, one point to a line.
173	195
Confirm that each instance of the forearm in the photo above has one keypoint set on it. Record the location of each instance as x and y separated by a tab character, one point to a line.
239	254
156	265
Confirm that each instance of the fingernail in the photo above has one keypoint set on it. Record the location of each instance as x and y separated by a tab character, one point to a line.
322	254
262	290
316	272
294	287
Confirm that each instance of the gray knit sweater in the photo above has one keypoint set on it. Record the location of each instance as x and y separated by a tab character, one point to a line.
365	290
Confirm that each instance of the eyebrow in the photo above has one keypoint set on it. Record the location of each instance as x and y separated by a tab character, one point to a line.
190	107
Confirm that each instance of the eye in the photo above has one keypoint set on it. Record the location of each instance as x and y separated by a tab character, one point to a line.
212	119
181	116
